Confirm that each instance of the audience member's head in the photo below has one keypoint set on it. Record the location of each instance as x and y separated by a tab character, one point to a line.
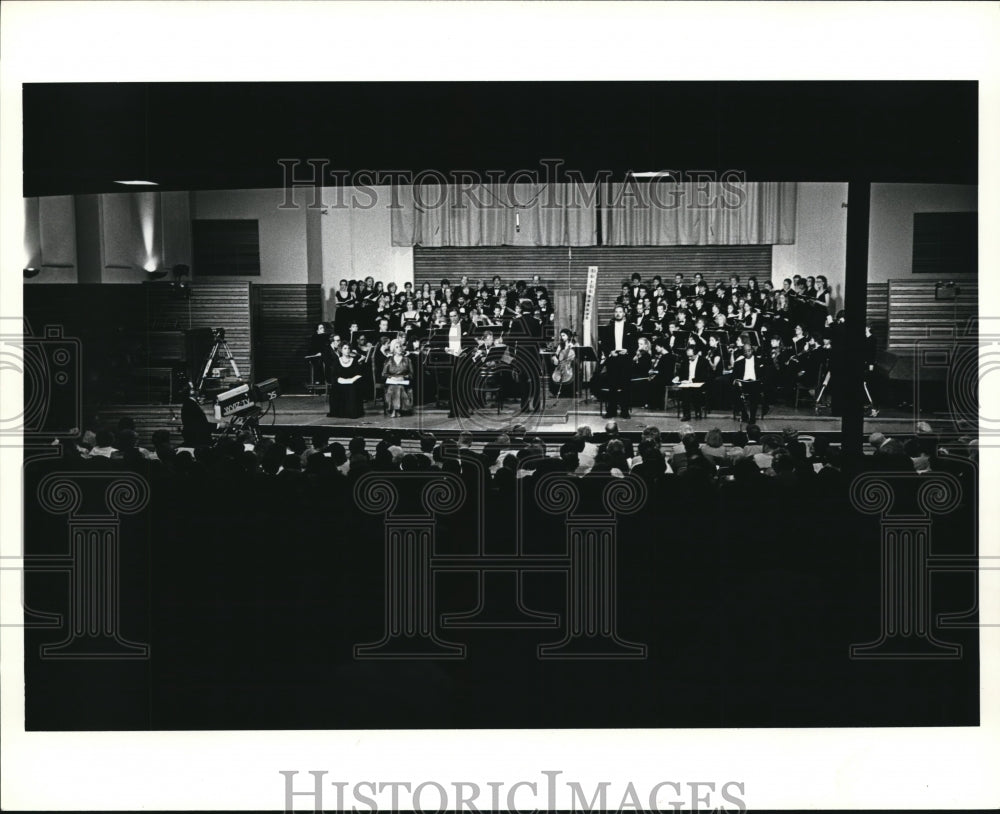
745	469
713	438
104	438
337	454
770	442
690	442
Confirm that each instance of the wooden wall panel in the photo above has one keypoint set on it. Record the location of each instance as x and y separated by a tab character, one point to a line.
113	323
878	311
915	315
211	305
565	269
284	318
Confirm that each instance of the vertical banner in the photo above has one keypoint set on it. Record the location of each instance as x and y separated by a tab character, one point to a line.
589	322
589	335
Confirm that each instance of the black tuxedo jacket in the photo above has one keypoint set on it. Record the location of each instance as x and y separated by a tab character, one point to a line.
439	337
525	331
630	338
702	371
760	368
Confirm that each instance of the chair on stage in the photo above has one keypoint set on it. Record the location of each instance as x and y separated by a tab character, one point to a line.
489	383
378	386
810	388
677	394
316	383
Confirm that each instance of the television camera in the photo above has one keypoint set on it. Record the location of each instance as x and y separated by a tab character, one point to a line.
245	404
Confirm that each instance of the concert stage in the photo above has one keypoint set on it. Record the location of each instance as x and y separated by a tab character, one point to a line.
305	413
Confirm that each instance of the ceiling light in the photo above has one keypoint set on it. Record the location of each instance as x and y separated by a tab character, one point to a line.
652	174
138	183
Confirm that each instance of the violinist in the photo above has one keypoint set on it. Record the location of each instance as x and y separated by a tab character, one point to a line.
642	360
717	355
698	336
661	371
782	373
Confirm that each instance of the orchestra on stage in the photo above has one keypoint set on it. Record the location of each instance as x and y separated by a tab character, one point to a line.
683	342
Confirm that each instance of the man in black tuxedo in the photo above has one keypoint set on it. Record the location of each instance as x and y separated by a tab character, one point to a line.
749	374
455	340
635	283
696	370
619	341
536	289
735	287
526	334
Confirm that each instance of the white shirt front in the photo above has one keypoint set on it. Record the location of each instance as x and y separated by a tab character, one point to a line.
455	338
749	369
619	335
692	368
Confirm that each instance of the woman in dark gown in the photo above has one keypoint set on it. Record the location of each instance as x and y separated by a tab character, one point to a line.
345	386
346	302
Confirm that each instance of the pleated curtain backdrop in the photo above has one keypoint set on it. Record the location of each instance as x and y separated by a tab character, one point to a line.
494	215
687	214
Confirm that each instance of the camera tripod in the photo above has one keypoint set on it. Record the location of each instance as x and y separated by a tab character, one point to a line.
220	351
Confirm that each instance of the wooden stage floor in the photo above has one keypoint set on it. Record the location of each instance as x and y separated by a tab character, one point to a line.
560	417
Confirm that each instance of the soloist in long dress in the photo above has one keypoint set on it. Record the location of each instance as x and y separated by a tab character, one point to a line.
398	396
345	399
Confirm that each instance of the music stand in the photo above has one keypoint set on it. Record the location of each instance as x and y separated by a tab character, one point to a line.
745	386
585	353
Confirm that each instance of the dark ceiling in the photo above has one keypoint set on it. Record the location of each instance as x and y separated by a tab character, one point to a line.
82	137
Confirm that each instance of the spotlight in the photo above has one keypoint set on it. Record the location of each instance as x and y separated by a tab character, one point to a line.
30	272
155	274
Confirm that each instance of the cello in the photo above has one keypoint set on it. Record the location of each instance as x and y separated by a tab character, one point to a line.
564	370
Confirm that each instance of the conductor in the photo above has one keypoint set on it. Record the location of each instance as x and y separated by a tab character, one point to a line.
525	334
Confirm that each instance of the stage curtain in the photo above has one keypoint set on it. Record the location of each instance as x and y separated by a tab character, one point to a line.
494	215
664	213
